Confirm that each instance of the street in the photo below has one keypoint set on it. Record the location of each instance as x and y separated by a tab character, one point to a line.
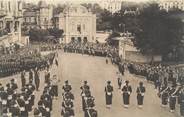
76	68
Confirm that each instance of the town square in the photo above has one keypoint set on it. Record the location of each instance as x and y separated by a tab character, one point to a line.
106	58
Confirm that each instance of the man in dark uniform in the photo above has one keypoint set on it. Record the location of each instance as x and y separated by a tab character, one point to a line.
85	90
90	113
108	94
181	96
30	75
67	87
37	79
140	94
172	99
23	79
126	90
164	94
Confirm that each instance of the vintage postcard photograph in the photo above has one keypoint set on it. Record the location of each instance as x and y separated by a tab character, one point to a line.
91	58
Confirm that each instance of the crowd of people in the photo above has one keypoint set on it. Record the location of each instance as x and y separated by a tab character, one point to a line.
14	64
167	80
94	49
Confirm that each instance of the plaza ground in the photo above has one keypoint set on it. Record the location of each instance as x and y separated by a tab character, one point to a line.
76	68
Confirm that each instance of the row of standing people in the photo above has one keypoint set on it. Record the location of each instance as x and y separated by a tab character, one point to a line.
88	104
169	92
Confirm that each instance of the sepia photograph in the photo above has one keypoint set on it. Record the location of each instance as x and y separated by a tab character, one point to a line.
91	58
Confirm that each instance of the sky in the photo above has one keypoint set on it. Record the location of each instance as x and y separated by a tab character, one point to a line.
79	1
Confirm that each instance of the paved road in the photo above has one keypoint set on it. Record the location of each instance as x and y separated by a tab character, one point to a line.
77	68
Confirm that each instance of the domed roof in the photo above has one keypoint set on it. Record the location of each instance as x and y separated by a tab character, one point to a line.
42	4
75	9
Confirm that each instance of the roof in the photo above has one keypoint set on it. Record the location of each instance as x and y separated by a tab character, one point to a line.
75	9
29	14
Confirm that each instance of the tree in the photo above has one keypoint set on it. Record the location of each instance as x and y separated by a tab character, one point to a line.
158	32
57	33
38	34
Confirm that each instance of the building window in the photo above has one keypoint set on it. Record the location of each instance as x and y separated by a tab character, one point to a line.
9	6
84	28
79	28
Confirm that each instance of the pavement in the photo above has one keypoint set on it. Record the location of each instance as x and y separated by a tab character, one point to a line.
76	68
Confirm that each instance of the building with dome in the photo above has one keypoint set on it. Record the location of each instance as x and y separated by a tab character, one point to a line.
38	16
78	24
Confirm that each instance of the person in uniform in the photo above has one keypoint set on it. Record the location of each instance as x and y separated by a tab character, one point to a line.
67	87
23	79
126	91
85	90
164	93
30	75
108	94
37	79
140	94
119	80
181	96
172	99
55	87
47	76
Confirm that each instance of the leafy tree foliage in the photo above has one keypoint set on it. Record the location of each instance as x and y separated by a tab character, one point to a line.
158	32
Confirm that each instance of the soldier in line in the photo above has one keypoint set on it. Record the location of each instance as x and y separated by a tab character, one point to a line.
67	87
119	80
181	95
164	93
108	94
126	91
140	94
30	75
23	79
37	79
85	90
172	99
47	76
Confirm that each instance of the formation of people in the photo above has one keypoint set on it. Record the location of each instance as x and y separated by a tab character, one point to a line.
167	81
88	101
67	108
14	103
45	103
95	49
12	65
126	91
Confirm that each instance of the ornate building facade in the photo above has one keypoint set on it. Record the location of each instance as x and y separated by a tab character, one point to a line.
38	16
111	5
171	4
10	21
78	24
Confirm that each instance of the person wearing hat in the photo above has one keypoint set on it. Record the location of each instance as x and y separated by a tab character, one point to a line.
140	94
108	94
23	79
172	99
37	79
67	87
181	96
126	91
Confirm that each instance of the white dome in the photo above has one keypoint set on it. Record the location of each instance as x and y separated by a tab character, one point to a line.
75	9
